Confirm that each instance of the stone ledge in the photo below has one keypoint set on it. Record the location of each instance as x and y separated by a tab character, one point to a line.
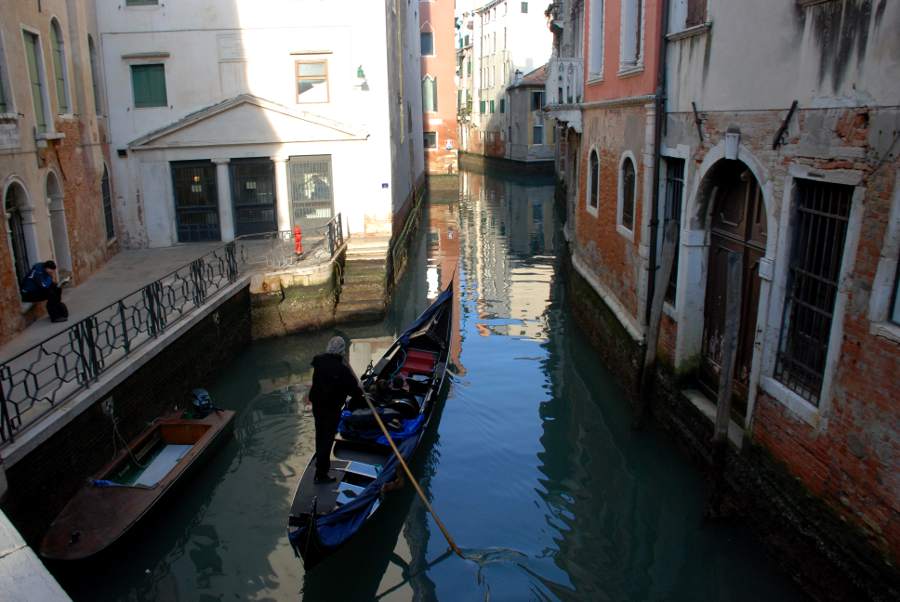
22	574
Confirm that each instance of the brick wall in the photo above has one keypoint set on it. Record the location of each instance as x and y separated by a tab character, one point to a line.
614	259
41	483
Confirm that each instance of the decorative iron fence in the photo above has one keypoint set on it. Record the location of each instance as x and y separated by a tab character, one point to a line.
41	378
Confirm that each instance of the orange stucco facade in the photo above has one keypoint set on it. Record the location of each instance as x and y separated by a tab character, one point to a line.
437	18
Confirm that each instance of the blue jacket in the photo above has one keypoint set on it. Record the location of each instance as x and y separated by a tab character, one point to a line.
36	279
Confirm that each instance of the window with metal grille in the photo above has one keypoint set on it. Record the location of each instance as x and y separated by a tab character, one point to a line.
672	213
107	205
817	248
312	200
16	230
594	190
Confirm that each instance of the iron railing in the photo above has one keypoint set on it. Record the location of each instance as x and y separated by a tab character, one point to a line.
46	375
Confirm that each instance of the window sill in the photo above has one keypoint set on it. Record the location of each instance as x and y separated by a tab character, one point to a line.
593	211
797	405
689	32
886	330
625	232
805	3
49	136
630	70
25	307
669	310
9	117
595	78
112	241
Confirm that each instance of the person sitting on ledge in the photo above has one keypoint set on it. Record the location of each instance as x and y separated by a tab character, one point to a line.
40	285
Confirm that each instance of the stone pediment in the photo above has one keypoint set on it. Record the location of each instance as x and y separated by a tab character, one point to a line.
246	119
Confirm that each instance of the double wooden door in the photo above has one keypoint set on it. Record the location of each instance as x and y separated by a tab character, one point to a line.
737	225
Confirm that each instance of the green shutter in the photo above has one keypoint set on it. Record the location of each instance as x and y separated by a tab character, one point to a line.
58	58
149	85
37	88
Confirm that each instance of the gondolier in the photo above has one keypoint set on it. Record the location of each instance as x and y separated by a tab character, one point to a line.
333	382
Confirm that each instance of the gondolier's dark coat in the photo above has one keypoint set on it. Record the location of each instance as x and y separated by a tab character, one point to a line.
333	381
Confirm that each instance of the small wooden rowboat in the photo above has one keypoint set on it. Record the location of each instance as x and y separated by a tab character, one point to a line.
325	516
129	486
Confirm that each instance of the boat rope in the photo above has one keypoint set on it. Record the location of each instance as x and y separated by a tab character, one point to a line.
412	479
117	436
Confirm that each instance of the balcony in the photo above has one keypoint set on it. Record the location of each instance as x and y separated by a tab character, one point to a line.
564	90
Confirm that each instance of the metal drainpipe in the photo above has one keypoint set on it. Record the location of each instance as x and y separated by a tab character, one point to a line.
657	156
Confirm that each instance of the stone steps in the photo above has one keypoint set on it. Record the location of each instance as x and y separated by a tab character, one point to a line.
363	293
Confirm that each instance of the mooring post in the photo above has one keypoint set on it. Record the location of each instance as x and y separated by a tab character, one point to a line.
729	345
663	274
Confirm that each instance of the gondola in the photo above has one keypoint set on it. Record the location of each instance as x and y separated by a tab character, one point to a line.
138	478
325	516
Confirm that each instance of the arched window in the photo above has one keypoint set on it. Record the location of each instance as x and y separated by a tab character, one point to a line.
627	182
15	229
59	67
594	185
107	205
95	86
429	94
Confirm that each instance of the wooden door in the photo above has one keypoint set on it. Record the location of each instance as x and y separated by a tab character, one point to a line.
738	224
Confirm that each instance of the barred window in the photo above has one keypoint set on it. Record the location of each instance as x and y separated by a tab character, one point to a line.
672	213
817	249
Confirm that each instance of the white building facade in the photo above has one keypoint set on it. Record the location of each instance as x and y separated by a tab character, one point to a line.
235	118
507	38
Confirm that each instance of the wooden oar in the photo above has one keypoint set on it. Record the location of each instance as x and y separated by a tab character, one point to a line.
412	479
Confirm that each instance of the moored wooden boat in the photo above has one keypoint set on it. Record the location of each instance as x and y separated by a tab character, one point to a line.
131	484
325	516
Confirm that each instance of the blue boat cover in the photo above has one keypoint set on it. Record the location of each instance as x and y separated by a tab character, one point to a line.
333	529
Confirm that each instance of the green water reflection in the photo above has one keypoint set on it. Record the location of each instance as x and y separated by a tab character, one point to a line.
532	465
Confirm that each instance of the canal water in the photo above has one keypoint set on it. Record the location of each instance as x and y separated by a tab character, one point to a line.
532	462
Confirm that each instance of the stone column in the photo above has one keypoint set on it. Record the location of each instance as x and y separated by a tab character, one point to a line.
282	197
226	210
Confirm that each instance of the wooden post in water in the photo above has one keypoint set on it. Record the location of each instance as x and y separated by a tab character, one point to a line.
729	345
667	261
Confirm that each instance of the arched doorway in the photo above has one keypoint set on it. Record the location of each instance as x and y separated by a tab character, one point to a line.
737	224
58	229
20	229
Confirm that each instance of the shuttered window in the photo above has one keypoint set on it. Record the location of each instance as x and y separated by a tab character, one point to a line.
59	68
107	205
429	94
817	250
149	85
35	77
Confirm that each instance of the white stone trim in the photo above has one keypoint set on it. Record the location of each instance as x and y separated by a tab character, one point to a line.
882	295
626	319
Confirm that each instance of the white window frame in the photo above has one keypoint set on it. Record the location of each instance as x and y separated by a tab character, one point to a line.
11	113
627	68
816	416
682	152
882	299
65	66
620	202
49	114
591	193
596	40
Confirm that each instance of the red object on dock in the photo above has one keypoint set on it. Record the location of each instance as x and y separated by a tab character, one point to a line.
298	240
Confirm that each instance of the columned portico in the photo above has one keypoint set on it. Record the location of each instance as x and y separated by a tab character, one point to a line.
282	198
226	213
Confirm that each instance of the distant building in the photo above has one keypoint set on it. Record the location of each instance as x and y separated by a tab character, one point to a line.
439	102
237	118
532	135
506	38
58	200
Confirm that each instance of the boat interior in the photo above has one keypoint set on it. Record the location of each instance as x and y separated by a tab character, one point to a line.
153	456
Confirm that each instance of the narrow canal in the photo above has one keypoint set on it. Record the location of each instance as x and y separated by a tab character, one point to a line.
533	464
